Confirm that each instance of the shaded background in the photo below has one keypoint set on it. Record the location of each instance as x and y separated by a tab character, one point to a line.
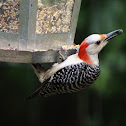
102	104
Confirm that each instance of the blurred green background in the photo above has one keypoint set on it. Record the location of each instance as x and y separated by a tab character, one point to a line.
102	104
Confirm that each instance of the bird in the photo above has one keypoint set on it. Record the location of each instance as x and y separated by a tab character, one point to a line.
77	71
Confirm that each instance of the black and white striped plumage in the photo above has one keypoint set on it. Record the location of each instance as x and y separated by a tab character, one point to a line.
76	72
68	79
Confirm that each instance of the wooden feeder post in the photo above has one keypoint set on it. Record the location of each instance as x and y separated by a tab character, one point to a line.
32	31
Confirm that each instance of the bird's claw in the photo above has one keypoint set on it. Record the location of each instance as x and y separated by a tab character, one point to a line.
62	57
77	49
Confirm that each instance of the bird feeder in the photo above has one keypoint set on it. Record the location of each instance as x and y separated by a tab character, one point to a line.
33	31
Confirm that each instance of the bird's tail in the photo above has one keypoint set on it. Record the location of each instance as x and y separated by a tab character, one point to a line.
37	91
32	95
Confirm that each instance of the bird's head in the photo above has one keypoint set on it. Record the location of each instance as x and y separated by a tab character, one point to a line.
93	44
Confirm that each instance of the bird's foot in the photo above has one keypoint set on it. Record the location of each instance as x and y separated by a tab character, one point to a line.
62	57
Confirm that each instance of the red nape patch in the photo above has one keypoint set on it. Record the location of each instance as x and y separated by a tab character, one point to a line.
83	53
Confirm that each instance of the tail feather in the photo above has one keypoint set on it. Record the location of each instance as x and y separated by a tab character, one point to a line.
37	91
33	94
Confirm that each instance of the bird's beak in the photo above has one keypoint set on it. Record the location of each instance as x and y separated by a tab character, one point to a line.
113	34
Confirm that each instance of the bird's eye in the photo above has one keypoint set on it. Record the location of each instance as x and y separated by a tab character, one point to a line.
98	42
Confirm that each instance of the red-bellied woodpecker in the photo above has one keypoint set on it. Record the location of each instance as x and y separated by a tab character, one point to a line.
77	72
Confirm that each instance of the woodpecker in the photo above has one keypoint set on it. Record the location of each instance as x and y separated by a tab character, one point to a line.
76	72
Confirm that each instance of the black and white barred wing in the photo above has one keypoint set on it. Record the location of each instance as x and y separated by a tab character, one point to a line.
72	78
68	79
